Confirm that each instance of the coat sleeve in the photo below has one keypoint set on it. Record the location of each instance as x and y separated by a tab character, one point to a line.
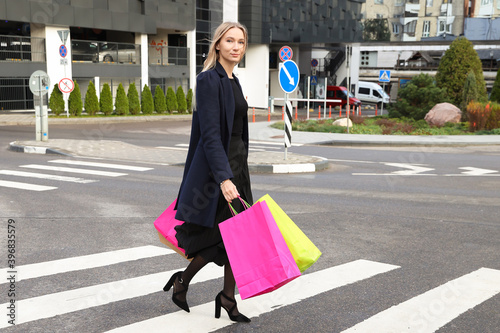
210	108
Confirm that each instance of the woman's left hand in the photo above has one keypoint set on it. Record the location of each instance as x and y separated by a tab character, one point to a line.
229	190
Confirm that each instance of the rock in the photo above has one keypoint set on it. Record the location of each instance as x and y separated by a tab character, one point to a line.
342	122
443	113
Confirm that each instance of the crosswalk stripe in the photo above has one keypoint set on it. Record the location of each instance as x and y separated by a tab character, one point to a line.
60	303
201	318
46	176
37	270
102	165
172	148
435	308
25	186
74	170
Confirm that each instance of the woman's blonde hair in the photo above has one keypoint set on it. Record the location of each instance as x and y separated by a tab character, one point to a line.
213	53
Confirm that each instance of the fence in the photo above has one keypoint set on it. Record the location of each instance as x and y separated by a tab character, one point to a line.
15	94
20	48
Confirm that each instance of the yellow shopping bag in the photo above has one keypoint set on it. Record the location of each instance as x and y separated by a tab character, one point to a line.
304	252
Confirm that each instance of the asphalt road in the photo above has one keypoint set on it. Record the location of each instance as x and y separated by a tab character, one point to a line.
413	231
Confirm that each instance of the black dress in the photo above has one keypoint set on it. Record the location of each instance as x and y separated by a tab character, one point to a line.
207	242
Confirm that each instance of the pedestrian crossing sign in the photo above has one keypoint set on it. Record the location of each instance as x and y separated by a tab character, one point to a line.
384	76
314	80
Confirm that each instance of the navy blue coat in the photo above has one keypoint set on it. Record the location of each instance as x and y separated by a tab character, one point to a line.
207	163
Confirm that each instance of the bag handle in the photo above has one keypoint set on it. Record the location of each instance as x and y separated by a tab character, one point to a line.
245	204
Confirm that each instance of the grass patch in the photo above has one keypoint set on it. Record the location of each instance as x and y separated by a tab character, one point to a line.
383	125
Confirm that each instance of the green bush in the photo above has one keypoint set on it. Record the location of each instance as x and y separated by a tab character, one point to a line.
160	105
121	101
91	101
417	98
459	59
181	100
189	101
171	100
56	101
147	106
470	91
75	104
106	101
495	91
134	105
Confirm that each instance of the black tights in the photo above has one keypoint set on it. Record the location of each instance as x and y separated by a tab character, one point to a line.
194	267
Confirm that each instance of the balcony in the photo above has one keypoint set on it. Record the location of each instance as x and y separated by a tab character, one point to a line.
168	55
21	48
105	52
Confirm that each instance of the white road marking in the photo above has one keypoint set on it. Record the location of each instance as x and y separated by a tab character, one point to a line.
102	165
60	303
37	270
74	170
25	186
46	176
429	311
477	171
201	318
173	148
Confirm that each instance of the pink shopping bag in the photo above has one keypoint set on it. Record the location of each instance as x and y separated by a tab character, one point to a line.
165	224
258	254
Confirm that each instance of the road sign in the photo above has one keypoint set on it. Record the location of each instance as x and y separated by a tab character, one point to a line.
314	62
286	53
39	83
384	76
63	35
289	76
66	85
63	51
314	80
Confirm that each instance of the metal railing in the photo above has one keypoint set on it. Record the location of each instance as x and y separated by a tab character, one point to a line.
105	52
21	48
168	55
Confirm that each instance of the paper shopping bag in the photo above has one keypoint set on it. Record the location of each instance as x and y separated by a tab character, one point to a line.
165	224
258	254
304	252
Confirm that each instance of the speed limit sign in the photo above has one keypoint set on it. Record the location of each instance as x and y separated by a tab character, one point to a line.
66	85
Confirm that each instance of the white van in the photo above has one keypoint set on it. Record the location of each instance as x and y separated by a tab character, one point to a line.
370	92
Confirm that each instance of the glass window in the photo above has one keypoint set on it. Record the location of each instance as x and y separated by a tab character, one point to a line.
426	29
364	91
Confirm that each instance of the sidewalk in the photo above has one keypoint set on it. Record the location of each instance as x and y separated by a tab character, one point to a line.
266	162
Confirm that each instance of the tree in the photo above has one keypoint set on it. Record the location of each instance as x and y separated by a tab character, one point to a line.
91	101
121	101
376	30
455	65
470	91
171	100
495	92
159	100
106	101
417	97
56	101
181	100
189	100
134	105
147	105
75	104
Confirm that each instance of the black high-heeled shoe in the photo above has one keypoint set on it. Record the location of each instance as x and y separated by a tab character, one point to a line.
218	304
177	278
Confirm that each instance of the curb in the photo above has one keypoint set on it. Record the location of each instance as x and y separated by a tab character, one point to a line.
289	168
35	150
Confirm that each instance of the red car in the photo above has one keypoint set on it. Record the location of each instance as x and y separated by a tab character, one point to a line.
335	92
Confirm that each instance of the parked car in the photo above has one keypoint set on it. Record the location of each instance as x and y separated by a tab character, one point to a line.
370	92
336	92
83	51
114	52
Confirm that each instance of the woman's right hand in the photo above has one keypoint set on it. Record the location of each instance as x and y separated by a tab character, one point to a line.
229	191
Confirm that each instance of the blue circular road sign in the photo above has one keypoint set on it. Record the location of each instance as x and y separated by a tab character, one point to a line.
63	51
289	76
